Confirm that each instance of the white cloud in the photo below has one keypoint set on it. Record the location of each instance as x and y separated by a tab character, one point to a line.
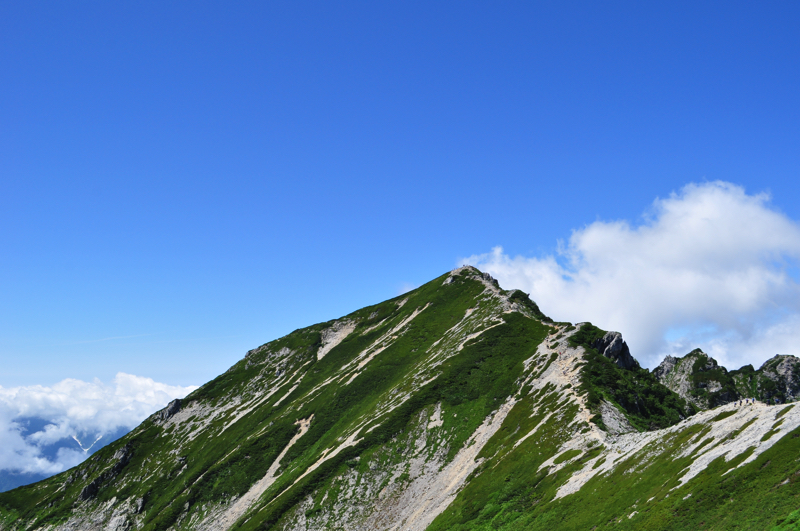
73	408
707	267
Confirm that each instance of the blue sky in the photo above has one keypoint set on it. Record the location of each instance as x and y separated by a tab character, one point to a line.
183	181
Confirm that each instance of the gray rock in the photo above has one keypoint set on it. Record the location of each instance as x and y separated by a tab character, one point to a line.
614	348
784	370
614	419
681	376
665	368
172	408
122	457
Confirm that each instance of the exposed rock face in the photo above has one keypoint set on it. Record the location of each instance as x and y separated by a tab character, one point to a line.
122	457
665	368
784	371
675	373
697	378
172	408
334	335
615	422
613	347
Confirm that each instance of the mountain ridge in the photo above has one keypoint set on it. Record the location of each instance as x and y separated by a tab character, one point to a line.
458	405
698	378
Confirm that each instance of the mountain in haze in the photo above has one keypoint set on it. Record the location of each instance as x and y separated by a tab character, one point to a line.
458	405
86	442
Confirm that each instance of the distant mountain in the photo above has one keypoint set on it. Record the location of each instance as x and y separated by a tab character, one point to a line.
456	406
32	426
698	378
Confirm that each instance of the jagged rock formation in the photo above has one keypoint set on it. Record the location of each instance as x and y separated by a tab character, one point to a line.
172	408
784	371
699	379
456	406
612	346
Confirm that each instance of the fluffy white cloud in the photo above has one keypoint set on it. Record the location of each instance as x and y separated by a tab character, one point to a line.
72	408
707	267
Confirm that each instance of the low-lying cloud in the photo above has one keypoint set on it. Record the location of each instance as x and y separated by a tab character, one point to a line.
38	424
710	266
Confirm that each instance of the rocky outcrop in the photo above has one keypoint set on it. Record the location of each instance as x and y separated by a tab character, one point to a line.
697	378
665	368
784	373
172	408
121	458
675	373
614	421
612	346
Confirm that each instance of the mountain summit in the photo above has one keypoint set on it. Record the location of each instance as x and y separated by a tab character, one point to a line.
458	405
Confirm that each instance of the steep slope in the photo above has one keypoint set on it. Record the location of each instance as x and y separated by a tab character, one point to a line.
456	406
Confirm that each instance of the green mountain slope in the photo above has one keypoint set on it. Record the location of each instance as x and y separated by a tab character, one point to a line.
456	406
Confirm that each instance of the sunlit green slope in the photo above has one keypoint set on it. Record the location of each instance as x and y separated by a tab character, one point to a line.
456	406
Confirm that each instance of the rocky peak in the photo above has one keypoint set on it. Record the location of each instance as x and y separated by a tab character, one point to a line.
697	378
702	361
665	368
612	346
784	371
783	364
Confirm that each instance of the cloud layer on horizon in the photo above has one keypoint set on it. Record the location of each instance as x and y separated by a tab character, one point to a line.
709	266
72	408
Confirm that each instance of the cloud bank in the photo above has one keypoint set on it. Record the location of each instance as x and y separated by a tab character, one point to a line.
38	424
710	266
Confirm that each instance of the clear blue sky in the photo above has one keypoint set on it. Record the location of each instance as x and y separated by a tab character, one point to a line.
183	181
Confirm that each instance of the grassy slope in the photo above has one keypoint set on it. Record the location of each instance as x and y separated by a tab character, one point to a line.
506	492
513	496
218	467
477	379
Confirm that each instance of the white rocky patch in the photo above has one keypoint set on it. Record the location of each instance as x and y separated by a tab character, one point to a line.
614	420
726	441
334	335
226	518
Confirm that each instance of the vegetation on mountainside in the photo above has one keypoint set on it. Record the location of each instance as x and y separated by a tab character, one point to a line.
646	403
214	467
178	472
522	298
641	493
790	523
475	381
753	383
